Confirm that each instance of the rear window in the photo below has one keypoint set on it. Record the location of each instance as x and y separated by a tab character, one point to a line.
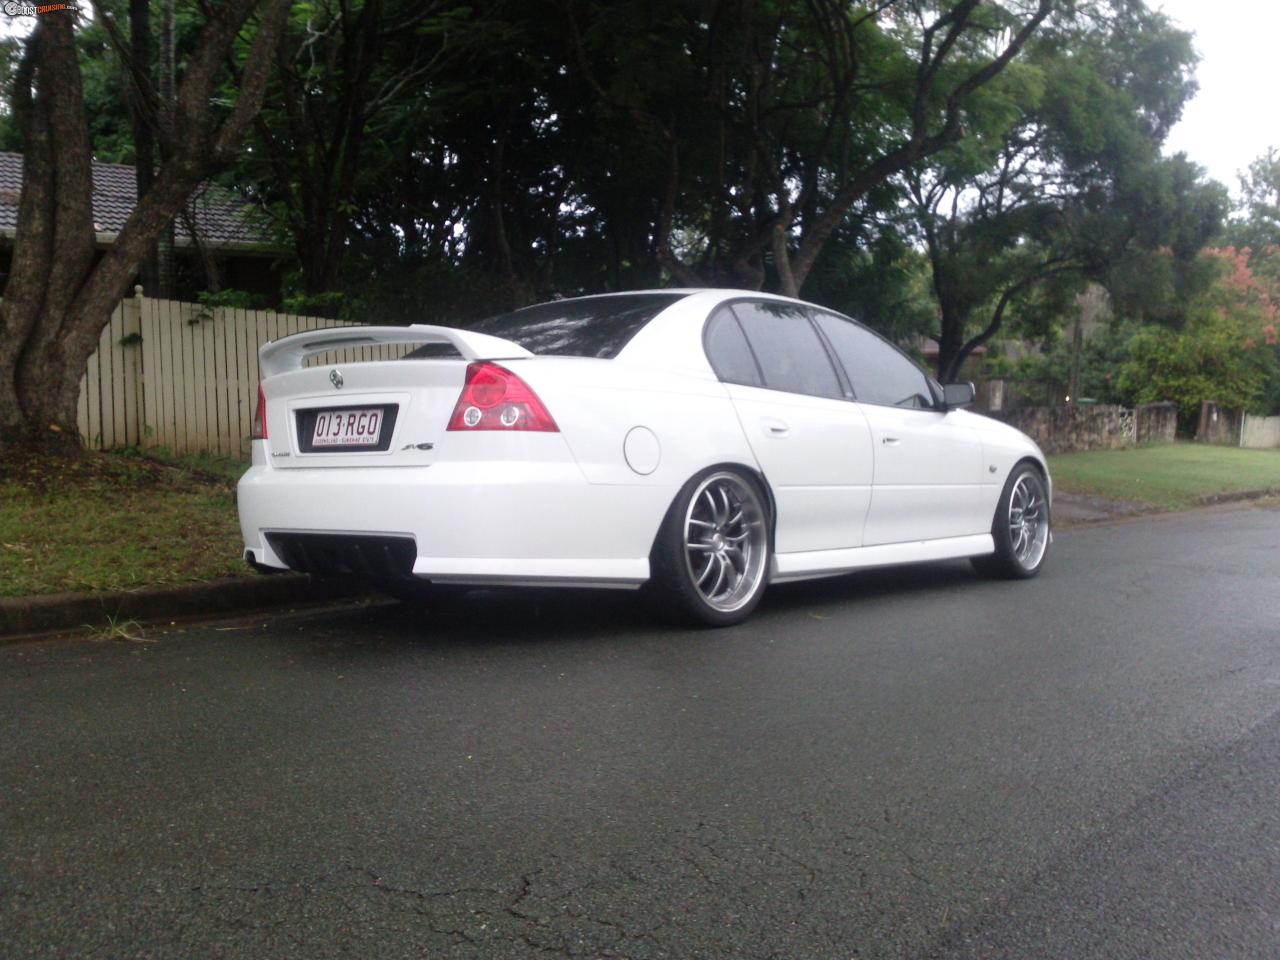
591	327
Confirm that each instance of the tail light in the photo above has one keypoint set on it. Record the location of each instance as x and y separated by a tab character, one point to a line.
259	430
494	398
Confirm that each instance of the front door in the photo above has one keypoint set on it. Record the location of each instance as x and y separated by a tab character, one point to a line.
926	484
928	475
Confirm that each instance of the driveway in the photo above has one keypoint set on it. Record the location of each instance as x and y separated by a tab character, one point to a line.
907	763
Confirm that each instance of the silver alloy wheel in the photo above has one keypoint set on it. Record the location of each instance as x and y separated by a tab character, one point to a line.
1028	521
726	542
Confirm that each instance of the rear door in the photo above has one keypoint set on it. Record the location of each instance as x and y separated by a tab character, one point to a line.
813	445
928	463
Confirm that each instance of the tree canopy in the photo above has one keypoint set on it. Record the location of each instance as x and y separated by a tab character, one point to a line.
1062	181
936	167
1256	224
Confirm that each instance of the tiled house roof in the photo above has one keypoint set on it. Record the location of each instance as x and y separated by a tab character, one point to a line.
222	219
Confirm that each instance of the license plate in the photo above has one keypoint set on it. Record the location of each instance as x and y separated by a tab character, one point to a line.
347	428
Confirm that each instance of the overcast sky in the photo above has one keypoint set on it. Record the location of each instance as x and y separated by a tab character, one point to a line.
1233	118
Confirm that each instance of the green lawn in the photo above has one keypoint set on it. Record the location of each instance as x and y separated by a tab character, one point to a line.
1169	476
108	522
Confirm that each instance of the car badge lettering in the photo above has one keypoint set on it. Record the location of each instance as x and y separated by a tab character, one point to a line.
335	377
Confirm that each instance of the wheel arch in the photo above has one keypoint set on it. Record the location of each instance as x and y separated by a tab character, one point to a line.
1042	468
751	471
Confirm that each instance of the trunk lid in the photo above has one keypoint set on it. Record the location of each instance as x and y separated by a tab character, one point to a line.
349	397
385	413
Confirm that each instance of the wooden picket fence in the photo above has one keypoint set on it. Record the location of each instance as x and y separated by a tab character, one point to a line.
184	377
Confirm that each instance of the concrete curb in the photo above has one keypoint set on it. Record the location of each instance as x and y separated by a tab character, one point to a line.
1077	510
62	612
1086	511
1210	499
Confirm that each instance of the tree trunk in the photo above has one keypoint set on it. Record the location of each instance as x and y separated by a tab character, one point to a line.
58	215
24	294
954	309
59	296
1073	379
950	343
787	285
322	151
163	251
142	114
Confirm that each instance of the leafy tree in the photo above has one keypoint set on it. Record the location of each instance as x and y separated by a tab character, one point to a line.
612	146
1226	352
349	77
871	274
895	159
1257	221
60	294
103	80
1206	361
1061	181
792	114
1044	378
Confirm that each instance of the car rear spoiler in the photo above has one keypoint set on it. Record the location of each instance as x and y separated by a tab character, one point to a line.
288	353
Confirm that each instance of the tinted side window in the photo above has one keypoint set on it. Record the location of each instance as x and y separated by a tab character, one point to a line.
790	354
728	351
878	371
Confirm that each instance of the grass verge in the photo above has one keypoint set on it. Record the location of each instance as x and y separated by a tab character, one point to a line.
116	521
1169	476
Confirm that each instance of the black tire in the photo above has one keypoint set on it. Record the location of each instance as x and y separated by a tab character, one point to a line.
721	515
1021	527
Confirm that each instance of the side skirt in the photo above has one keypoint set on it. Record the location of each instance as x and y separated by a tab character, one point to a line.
820	563
481	571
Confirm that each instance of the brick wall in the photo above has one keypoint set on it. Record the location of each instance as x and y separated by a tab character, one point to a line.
1155	422
1068	429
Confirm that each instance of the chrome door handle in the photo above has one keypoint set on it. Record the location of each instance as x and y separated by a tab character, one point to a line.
775	428
890	441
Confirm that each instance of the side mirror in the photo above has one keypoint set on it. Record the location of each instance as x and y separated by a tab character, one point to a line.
956	395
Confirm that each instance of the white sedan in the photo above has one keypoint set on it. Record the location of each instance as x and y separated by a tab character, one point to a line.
704	442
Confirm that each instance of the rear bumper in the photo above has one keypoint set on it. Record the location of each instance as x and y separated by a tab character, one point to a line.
487	523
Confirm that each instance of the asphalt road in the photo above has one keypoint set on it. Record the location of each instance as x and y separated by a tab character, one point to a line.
910	763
